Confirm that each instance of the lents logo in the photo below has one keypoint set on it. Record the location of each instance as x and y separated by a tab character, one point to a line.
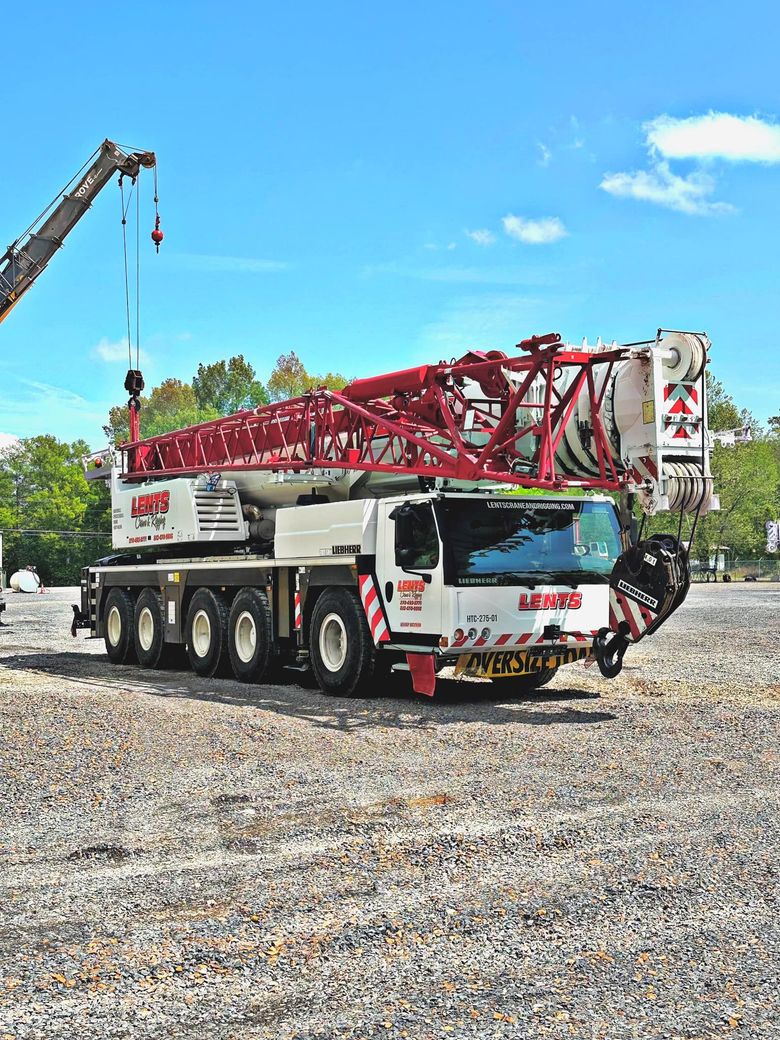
550	601
150	505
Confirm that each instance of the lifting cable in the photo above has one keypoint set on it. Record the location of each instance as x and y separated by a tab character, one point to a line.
157	237
137	274
127	278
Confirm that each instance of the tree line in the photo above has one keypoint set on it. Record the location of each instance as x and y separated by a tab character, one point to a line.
43	488
42	484
217	389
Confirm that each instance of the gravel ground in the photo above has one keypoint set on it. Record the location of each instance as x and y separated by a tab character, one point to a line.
196	859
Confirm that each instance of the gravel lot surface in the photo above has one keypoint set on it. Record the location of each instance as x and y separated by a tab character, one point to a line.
197	859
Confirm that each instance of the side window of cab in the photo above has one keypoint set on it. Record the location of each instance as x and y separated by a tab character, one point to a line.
416	537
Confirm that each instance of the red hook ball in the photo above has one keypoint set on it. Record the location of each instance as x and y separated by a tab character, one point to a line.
157	236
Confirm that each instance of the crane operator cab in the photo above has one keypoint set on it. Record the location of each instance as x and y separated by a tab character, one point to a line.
498	585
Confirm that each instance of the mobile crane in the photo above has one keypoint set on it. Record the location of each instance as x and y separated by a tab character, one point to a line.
369	529
27	257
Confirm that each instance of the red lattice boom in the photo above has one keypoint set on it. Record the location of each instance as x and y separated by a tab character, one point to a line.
417	421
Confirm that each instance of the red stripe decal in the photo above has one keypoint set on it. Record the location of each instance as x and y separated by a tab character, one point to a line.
376	620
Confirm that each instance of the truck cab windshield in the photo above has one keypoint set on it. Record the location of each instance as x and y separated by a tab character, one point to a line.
504	539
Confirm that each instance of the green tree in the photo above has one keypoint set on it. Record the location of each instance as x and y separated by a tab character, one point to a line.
43	488
228	386
747	479
289	378
723	414
332	380
170	406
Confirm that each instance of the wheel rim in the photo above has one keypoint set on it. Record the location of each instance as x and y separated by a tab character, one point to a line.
245	636
333	643
201	633
114	626
145	629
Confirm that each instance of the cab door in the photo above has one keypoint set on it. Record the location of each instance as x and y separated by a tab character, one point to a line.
409	568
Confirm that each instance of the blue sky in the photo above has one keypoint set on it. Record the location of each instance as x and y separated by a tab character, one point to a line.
377	186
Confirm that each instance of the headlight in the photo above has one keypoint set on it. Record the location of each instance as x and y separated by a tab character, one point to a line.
485	633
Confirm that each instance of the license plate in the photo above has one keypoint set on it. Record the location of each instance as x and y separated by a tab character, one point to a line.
503	664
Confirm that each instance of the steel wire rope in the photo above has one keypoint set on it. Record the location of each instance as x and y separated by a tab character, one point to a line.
138	272
127	278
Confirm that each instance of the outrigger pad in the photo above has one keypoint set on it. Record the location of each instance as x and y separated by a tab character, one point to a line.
649	582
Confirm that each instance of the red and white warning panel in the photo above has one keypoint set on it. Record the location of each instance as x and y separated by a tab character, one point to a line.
373	608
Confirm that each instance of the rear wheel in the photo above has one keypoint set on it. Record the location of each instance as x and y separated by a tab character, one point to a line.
150	629
250	636
340	646
519	685
207	632
118	627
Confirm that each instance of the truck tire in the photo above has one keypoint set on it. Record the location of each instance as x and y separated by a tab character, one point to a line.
149	628
207	632
341	650
520	685
250	635
118	627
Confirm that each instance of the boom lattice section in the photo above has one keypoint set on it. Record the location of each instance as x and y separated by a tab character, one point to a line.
429	421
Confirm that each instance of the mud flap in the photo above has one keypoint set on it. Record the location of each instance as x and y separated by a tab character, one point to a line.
649	582
423	673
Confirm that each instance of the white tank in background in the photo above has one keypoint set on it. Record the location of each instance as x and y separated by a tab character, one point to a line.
25	581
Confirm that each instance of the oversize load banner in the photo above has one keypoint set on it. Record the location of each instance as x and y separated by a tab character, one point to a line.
500	664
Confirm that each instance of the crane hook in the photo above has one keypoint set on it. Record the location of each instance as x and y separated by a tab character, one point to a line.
157	235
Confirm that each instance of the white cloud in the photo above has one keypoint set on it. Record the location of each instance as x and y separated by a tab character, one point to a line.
106	350
482	236
716	135
493	320
704	138
7	440
433	247
230	264
460	275
544	154
534	232
689	194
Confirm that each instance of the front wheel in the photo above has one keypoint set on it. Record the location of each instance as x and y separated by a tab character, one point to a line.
207	632
340	646
520	685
